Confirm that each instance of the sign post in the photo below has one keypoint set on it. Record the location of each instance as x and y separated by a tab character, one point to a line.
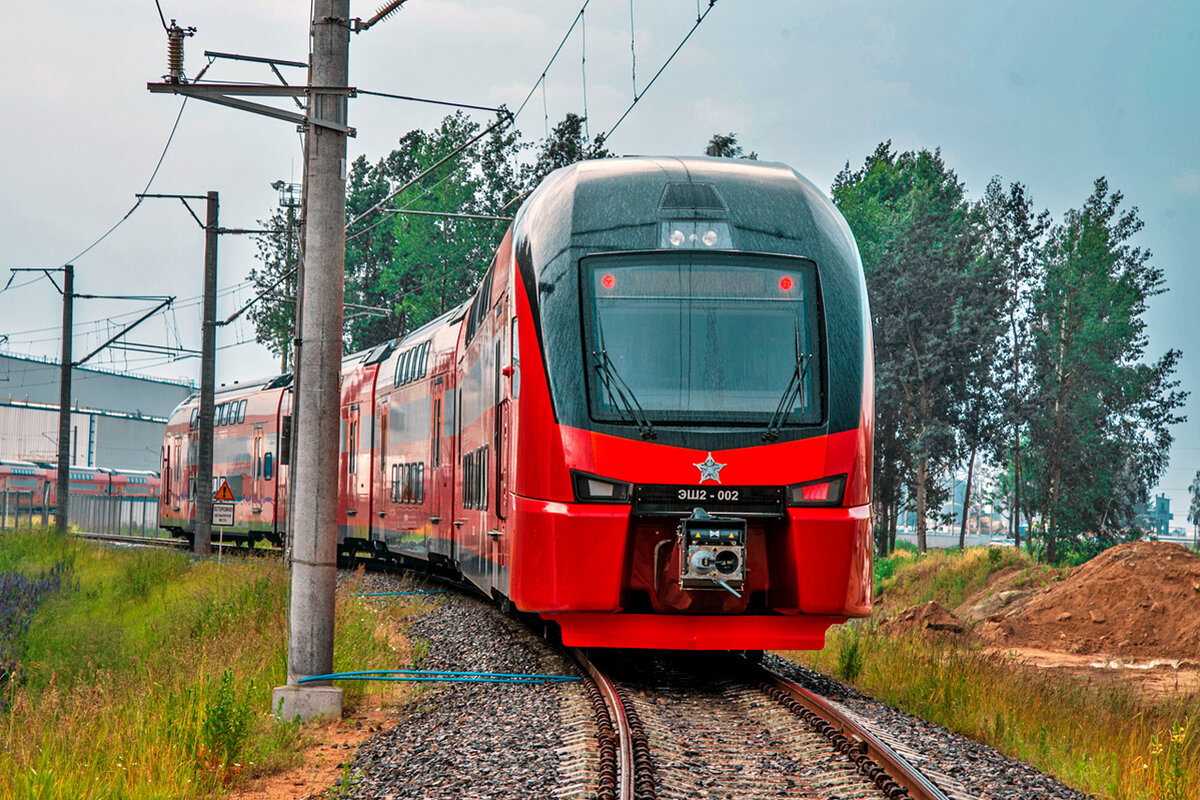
222	513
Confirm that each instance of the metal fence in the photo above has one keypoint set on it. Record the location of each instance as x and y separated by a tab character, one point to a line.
126	516
17	505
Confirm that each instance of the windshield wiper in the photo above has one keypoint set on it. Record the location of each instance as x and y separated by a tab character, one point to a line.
620	392
794	389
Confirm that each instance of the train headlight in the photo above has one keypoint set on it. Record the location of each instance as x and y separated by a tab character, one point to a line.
695	234
824	492
595	489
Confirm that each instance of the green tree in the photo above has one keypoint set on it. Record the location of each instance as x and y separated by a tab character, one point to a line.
725	145
412	259
1100	431
413	264
918	238
274	317
1014	235
1194	507
567	144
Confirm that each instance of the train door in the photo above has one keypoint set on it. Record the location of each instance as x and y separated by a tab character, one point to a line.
443	422
165	492
256	492
177	473
500	429
350	478
435	455
381	494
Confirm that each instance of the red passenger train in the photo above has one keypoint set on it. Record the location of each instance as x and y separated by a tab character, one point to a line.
651	426
34	483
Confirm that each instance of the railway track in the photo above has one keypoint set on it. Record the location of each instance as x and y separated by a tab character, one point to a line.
709	725
685	725
228	548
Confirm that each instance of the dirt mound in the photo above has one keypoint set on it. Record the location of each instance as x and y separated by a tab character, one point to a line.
929	619
1006	592
1141	598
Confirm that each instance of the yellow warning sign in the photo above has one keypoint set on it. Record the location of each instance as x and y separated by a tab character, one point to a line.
223	494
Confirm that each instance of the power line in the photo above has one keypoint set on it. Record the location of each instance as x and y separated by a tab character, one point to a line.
431	102
550	63
638	97
154	174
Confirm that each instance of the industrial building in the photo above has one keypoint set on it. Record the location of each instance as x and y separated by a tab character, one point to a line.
117	420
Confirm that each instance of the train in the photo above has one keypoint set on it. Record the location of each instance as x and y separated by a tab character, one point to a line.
33	484
651	425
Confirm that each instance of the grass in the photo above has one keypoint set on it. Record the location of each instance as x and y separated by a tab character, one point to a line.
948	576
1099	737
149	675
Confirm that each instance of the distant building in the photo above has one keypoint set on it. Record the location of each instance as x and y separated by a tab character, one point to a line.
1155	517
117	420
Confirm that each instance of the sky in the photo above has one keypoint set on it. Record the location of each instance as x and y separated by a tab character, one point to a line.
1053	95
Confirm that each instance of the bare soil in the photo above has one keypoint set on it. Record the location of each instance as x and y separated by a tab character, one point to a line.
1130	615
323	763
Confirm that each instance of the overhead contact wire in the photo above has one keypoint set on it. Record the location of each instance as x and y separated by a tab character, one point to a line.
638	97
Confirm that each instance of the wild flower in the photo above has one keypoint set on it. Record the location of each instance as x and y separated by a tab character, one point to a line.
20	597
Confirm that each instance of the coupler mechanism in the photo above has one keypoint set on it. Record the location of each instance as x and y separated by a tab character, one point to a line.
712	552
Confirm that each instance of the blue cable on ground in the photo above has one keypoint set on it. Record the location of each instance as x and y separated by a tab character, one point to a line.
422	675
390	594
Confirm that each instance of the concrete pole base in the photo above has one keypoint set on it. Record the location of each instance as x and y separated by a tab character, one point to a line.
306	702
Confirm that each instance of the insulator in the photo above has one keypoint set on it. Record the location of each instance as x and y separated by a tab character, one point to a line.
175	37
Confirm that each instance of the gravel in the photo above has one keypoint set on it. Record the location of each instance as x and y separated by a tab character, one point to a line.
475	741
960	766
467	740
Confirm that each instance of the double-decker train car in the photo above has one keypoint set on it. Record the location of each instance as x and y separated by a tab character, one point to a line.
251	424
36	482
651	425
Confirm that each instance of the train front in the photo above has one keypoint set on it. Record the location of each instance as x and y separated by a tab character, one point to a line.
694	426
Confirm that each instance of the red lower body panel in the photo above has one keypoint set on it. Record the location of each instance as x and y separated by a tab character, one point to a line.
689	632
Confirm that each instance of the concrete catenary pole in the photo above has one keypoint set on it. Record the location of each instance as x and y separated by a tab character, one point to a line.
314	524
63	479
202	535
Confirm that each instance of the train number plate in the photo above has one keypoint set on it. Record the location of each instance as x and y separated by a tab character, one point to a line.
666	499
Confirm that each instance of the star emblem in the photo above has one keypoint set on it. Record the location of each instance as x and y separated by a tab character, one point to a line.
709	470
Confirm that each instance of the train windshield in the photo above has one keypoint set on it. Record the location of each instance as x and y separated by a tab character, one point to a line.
707	339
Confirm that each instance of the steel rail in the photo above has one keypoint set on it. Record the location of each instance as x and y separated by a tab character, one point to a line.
149	541
908	777
616	711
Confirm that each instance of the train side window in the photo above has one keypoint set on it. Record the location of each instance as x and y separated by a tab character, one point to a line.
383	437
421	482
285	440
241	412
395	483
268	467
483	479
437	437
217	415
516	362
195	416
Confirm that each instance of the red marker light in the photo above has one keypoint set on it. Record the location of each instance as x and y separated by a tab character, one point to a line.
816	491
786	283
608	281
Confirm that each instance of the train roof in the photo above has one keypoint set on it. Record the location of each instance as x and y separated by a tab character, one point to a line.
607	204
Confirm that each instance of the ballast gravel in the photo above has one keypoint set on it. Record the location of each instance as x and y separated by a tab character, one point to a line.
965	767
470	740
467	741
